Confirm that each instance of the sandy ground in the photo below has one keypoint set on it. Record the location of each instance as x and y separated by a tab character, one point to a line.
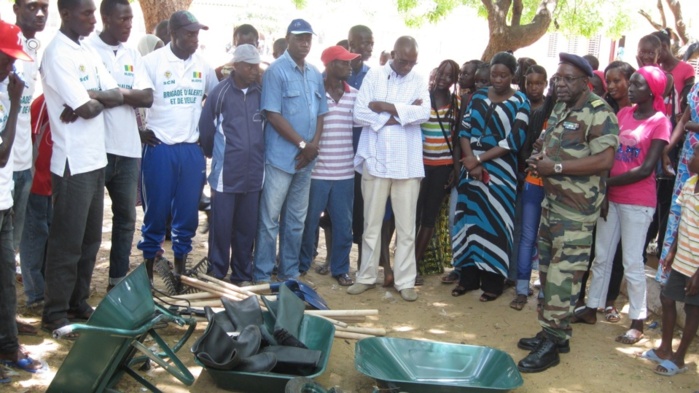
596	363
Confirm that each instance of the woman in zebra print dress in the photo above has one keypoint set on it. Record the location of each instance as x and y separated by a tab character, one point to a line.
493	130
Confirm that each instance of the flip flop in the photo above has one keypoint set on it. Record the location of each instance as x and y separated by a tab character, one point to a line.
487	297
26	365
611	314
670	368
632	336
4	378
652	356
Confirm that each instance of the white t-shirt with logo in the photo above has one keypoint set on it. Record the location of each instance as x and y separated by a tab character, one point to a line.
6	183
179	87
28	71
126	67
68	71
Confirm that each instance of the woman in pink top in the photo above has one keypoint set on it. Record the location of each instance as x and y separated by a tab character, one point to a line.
631	199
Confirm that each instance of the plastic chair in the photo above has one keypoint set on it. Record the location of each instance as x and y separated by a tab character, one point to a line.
114	334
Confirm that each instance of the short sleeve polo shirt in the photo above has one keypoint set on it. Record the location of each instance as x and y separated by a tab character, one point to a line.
68	71
179	86
126	67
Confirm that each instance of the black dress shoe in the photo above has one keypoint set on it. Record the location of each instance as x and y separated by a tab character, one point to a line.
544	356
530	344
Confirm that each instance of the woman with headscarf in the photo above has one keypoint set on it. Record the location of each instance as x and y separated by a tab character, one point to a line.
630	202
492	132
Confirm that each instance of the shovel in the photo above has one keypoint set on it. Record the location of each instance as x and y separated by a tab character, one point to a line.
304	292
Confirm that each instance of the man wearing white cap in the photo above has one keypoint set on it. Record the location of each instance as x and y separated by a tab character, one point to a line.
230	132
11	87
293	101
173	166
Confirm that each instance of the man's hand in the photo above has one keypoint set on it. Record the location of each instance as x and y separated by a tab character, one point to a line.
377	106
68	115
15	87
148	138
541	165
307	155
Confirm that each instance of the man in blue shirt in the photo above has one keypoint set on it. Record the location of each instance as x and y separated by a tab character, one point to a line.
361	41
293	101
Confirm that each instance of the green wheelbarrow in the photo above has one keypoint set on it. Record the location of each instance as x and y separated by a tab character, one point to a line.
114	335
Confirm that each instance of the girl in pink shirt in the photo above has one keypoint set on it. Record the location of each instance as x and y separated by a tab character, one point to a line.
631	198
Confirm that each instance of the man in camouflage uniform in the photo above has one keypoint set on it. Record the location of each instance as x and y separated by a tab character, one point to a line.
579	146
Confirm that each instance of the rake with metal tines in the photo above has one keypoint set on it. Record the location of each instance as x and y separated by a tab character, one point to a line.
172	282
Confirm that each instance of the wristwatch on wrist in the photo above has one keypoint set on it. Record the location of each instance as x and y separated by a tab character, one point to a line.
302	145
558	168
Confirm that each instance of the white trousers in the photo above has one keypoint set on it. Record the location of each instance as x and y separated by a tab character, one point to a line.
403	193
630	224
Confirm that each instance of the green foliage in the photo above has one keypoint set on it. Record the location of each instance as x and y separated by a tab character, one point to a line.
571	17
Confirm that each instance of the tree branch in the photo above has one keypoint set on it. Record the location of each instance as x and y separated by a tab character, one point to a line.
680	27
661	10
517	8
650	20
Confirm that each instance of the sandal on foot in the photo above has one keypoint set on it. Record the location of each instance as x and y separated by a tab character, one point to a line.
419	280
27	364
518	302
632	336
344	280
488	297
450	278
322	270
670	368
652	356
611	314
26	329
460	291
3	377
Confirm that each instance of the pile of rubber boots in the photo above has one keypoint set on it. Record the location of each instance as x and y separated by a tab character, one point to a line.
238	338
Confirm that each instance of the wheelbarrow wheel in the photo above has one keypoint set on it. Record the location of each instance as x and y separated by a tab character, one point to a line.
305	385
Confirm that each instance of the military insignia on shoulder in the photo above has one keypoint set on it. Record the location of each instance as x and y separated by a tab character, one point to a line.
597	103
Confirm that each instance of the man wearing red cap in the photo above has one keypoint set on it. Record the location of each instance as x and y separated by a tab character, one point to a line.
332	179
11	87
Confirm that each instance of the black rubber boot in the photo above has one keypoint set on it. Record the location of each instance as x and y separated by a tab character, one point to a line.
149	269
180	266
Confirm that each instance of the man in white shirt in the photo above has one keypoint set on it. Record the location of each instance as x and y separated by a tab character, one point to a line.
123	143
173	165
392	103
77	89
11	87
31	18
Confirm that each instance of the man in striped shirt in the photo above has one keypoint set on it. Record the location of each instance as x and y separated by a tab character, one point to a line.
332	179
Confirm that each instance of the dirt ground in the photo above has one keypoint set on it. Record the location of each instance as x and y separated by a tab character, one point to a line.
596	362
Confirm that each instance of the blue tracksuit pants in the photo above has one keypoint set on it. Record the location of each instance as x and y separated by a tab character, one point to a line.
172	181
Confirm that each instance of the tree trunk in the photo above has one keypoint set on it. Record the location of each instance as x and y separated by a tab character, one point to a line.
155	11
505	37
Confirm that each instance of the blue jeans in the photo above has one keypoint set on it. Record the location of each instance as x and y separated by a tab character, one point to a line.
338	197
23	184
121	179
532	196
284	197
8	297
32	248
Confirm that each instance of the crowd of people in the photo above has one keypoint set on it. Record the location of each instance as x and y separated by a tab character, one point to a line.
527	172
